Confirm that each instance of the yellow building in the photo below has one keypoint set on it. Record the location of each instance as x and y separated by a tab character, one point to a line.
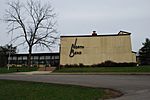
95	49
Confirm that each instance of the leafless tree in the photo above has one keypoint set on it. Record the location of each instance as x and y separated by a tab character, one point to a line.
33	22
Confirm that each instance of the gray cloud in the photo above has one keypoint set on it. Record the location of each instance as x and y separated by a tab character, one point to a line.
104	16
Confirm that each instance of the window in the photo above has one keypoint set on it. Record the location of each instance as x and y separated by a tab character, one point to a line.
47	57
52	57
14	58
20	58
41	57
36	57
24	57
10	58
56	57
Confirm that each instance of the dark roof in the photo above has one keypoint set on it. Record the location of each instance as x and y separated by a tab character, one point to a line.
36	54
134	52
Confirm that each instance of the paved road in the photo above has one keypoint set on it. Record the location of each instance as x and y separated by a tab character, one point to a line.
134	87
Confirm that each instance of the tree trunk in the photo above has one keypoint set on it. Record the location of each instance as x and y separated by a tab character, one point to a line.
29	57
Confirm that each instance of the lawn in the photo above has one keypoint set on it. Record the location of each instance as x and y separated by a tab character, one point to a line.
20	90
16	69
105	69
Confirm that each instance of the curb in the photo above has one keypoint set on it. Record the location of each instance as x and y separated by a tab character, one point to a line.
53	73
56	73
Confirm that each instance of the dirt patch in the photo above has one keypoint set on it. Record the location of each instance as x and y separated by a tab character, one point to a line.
110	93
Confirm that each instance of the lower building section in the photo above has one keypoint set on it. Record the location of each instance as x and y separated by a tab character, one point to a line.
37	59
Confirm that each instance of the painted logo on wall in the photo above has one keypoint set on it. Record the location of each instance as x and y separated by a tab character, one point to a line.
74	49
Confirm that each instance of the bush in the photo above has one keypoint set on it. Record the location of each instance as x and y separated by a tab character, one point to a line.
107	63
13	65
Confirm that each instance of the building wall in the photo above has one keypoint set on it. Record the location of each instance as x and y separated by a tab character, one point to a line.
96	49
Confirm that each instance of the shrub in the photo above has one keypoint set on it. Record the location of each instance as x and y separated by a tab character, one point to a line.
107	63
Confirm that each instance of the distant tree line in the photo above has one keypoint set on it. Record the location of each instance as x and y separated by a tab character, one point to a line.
144	53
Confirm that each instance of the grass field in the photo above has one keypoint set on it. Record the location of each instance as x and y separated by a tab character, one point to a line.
105	69
20	90
81	69
16	69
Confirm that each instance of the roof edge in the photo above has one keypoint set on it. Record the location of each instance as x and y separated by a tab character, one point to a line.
94	36
121	33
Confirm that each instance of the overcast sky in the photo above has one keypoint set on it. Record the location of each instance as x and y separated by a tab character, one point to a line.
104	16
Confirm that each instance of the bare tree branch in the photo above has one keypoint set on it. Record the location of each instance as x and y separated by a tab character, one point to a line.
34	22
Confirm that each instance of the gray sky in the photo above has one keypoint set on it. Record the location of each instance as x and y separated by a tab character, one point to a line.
105	16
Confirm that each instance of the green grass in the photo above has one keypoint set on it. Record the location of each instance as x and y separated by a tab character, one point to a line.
105	69
15	69
20	90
